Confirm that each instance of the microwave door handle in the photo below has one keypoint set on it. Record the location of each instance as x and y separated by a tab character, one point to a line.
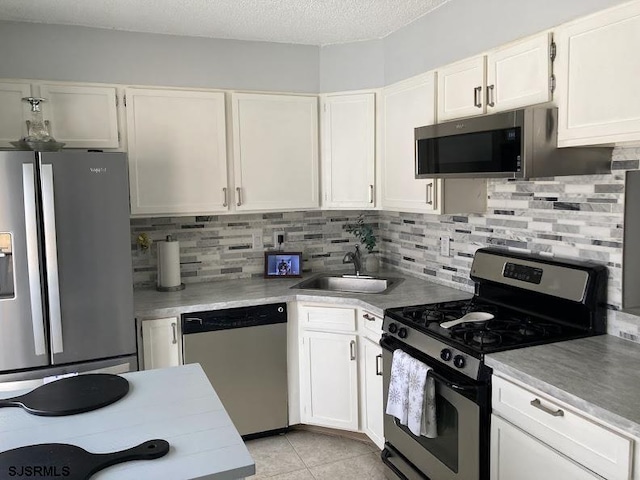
33	260
51	255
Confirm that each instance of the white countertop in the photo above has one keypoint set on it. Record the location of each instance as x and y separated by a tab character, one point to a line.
175	404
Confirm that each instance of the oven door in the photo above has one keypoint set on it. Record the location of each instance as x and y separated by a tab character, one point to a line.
456	452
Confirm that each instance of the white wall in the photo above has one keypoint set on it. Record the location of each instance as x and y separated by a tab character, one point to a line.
458	29
56	52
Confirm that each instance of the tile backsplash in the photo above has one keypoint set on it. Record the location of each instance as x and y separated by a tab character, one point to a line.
220	247
575	217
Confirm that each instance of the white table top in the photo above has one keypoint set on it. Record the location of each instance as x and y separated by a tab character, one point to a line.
175	404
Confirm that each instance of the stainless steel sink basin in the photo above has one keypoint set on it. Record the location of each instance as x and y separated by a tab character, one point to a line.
349	283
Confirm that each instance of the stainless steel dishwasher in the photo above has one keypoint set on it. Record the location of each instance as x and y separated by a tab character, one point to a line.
243	351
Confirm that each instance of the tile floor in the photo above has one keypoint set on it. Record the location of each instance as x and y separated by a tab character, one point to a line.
305	455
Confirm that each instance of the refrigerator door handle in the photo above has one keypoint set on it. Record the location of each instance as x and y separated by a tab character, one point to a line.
33	260
51	255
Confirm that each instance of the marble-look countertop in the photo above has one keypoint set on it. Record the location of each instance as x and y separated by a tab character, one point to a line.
599	375
177	404
196	297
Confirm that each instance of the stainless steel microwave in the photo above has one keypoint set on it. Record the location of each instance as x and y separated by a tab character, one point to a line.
516	144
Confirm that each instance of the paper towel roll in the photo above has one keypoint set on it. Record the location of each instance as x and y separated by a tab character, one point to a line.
168	264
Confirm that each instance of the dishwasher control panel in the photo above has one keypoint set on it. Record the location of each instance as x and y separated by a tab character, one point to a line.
241	317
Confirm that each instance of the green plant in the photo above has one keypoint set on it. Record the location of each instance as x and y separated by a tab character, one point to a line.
363	232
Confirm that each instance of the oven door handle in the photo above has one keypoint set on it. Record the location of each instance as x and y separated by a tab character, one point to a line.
388	345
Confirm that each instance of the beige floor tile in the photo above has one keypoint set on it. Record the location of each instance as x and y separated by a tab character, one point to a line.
316	449
297	475
274	456
363	467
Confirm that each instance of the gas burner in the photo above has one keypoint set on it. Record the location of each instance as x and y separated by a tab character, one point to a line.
483	338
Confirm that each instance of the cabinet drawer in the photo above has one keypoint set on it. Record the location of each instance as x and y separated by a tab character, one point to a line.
331	319
598	448
371	325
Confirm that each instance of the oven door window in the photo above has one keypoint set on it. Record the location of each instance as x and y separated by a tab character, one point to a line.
445	446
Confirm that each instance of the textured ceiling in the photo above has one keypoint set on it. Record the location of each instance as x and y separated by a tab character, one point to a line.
311	22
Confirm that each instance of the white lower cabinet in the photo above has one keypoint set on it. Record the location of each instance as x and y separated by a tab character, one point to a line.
161	346
371	388
329	380
536	436
516	455
341	369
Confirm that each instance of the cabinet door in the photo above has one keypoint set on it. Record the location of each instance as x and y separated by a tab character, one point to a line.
406	105
177	151
371	398
516	455
328	380
275	149
81	117
14	112
461	89
348	153
518	75
160	343
597	70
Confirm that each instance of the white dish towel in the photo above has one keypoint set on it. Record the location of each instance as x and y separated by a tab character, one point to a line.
411	396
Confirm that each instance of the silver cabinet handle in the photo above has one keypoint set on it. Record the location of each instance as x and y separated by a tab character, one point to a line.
239	191
224	196
51	249
477	92
175	333
370	193
33	258
371	318
537	404
194	319
490	93
379	365
352	349
430	193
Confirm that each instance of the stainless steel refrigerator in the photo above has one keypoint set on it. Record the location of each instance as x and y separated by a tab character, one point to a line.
66	291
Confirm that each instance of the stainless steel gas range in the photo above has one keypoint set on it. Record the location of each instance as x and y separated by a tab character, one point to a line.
520	300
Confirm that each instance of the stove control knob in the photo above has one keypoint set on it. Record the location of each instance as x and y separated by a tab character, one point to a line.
459	361
393	328
402	333
445	354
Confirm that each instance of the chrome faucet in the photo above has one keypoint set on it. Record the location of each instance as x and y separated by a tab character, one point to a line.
355	258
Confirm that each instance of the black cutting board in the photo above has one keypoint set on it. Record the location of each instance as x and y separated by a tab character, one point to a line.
71	395
70	462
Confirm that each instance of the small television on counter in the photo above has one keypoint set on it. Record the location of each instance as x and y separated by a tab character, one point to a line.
282	264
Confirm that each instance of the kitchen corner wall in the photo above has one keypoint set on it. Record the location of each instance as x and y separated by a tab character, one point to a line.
575	217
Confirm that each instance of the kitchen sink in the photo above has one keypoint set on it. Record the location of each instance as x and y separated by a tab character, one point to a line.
349	283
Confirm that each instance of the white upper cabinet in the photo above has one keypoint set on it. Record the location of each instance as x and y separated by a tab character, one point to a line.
461	89
406	105
598	72
509	77
81	116
519	74
275	150
14	112
348	150
177	151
